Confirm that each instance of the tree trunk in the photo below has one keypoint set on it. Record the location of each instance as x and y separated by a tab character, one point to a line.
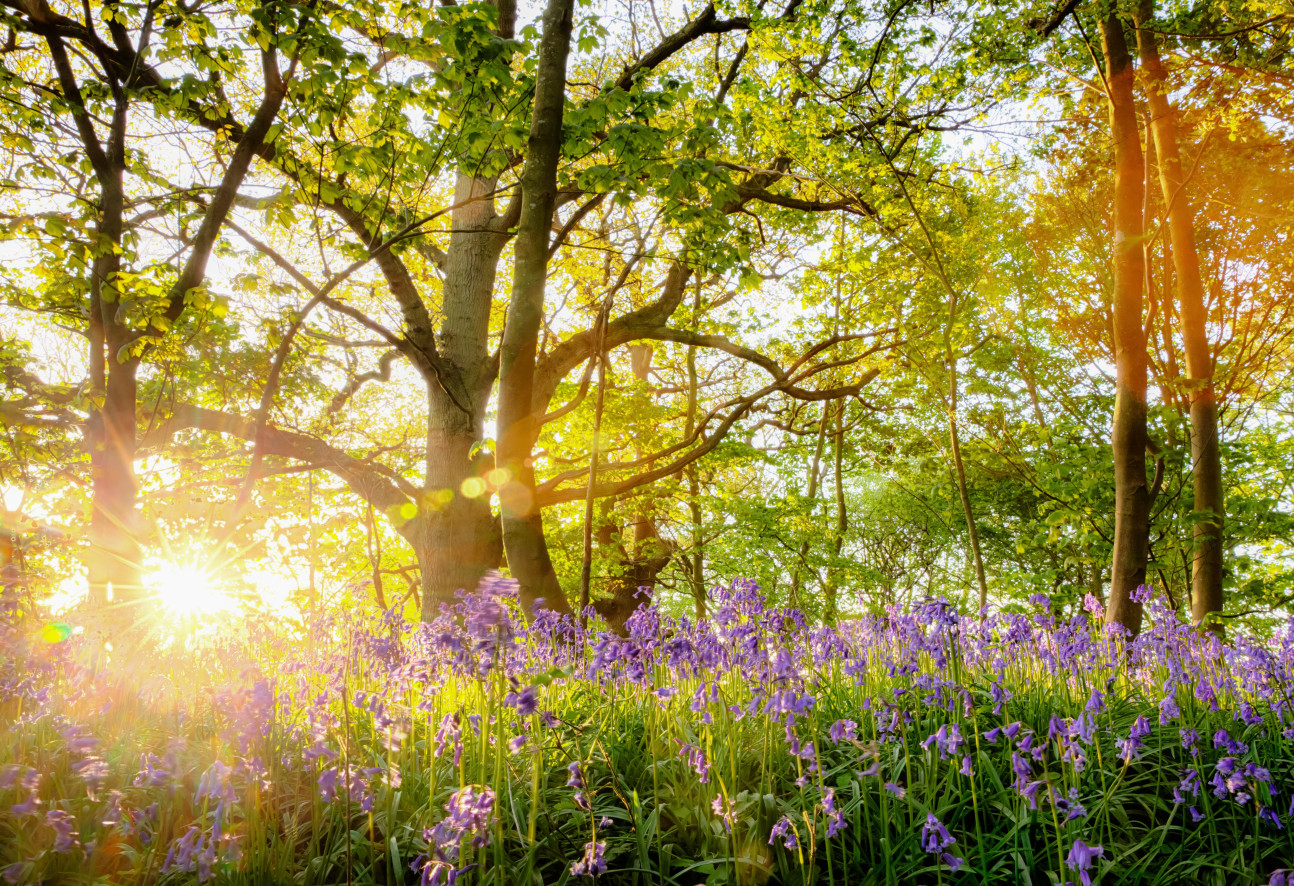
114	569
811	493
523	534
458	538
586	563
460	533
696	558
1206	459
649	554
115	573
831	590
963	491
1131	491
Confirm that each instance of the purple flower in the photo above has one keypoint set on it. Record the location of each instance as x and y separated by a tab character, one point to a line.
835	817
328	784
724	811
1168	710
469	813
1131	746
1071	806
525	701
841	730
593	863
786	830
934	836
1281	877
1081	858
576	777
78	742
947	738
64	826
1190	784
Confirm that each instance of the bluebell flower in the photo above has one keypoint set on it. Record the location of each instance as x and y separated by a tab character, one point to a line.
786	830
1081	858
593	863
835	817
65	832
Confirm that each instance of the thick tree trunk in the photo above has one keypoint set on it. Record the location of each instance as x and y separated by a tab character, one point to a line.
523	535
460	534
115	573
1131	491
1206	459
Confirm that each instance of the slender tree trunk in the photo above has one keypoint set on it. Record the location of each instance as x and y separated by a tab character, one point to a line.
963	491
1206	458
523	533
1131	491
644	559
831	590
586	565
811	493
696	558
459	531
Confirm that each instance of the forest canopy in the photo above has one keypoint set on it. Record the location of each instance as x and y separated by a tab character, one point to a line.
348	304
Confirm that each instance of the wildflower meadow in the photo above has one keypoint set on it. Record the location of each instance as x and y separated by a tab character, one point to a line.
921	746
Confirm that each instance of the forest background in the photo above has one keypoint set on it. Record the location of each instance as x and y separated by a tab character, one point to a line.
313	304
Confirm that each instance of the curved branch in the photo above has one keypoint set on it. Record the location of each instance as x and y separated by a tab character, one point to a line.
547	493
377	485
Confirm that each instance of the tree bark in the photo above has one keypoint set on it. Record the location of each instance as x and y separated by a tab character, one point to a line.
1206	458
460	527
523	534
1131	491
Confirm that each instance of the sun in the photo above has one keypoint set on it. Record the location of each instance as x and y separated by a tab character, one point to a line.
188	591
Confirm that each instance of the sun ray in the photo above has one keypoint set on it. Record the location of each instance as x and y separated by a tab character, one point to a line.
187	590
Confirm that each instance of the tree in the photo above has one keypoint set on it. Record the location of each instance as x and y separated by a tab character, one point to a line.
70	72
